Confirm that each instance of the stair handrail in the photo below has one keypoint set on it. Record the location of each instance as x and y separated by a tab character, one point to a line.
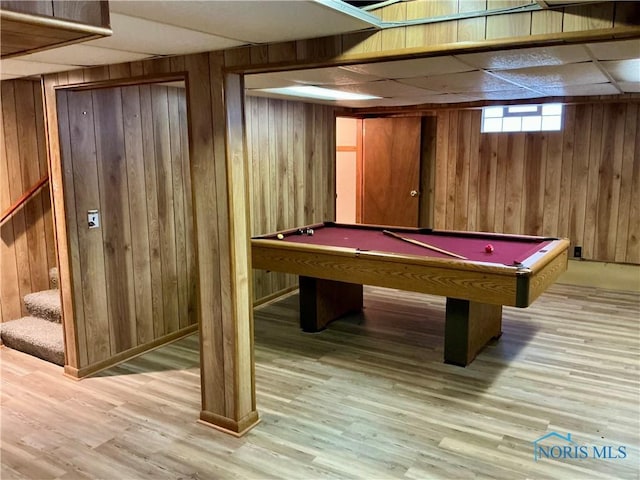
26	196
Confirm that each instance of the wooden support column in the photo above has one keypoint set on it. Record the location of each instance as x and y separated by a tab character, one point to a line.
227	364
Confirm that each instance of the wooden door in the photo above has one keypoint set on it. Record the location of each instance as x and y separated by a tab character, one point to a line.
391	171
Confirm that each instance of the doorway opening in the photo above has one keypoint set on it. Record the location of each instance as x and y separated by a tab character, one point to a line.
384	170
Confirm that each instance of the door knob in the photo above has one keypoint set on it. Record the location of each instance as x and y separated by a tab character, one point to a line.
413	193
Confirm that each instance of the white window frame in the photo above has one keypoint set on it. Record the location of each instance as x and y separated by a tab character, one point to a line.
522	118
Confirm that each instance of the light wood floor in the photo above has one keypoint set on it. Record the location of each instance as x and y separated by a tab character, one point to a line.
368	398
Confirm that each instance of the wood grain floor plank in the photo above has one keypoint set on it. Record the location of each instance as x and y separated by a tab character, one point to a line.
369	397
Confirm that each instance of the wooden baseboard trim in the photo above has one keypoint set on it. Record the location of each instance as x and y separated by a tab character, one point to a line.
227	425
274	296
80	373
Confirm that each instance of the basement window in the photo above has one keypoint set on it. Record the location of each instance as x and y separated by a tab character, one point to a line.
522	118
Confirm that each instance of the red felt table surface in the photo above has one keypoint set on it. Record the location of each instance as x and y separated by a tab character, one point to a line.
507	251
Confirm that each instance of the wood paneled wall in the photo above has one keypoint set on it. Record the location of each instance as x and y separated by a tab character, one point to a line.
125	152
582	183
292	172
568	19
27	249
219	183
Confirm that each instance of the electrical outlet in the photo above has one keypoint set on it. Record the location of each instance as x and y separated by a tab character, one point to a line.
577	252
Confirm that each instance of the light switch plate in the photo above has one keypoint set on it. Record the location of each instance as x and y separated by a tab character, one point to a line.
93	218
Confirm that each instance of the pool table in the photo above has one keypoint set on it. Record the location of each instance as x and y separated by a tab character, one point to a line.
477	272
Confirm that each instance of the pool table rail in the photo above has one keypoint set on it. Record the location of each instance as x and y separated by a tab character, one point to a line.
478	281
544	268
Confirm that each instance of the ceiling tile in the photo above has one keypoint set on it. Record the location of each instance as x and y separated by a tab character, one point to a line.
619	50
516	94
84	55
382	102
447	98
262	93
145	36
623	70
251	21
21	68
476	81
326	76
386	88
419	67
526	57
418	100
560	3
399	101
580	90
551	76
266	80
365	103
630	87
144	29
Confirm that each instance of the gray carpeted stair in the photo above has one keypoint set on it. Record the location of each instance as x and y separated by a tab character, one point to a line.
35	336
41	334
44	304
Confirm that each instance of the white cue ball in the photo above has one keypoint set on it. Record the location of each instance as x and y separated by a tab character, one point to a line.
280	236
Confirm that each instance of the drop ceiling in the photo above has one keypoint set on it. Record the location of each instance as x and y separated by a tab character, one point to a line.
145	29
569	70
148	29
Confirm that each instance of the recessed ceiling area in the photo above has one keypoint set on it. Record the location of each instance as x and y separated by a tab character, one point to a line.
607	68
151	29
148	29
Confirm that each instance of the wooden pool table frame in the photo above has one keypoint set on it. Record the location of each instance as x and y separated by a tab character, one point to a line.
331	280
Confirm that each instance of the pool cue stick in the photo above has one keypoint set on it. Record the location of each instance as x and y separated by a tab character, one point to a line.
422	244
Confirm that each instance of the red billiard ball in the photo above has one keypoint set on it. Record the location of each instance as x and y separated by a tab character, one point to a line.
488	248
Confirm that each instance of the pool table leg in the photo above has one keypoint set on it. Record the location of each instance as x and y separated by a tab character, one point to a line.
322	301
468	327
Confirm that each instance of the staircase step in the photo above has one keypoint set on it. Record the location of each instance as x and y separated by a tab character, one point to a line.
35	336
44	304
